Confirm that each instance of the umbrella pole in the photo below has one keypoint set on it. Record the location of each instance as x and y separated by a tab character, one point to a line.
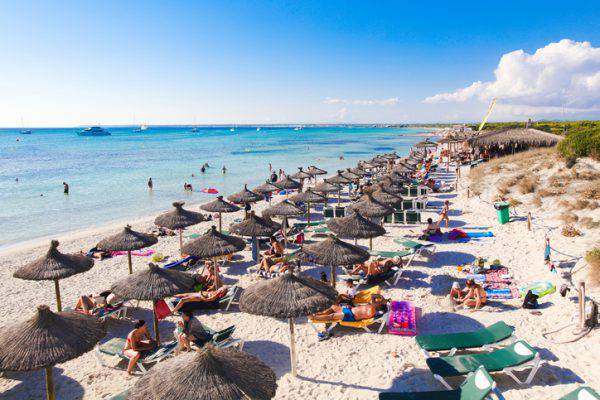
370	243
284	232
156	333
180	241
50	395
57	290
129	262
216	272
220	224
339	197
308	214
332	276
255	249
293	360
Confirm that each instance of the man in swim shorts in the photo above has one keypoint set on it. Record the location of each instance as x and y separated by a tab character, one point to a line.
352	314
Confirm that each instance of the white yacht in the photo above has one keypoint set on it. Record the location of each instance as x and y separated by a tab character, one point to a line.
94	131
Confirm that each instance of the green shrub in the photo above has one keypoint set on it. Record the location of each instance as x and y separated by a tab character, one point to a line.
584	143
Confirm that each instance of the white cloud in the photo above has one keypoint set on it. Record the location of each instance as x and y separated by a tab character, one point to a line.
562	76
385	102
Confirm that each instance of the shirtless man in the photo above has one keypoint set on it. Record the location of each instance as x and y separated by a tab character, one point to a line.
352	314
202	296
138	341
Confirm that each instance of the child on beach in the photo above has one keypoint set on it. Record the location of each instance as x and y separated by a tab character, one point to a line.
473	295
444	214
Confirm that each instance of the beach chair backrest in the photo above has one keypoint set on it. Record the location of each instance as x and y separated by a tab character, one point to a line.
223	335
582	393
515	354
495	332
477	386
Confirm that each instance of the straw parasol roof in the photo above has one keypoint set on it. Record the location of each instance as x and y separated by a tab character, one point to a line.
48	338
265	188
179	218
521	136
338	179
391	186
391	156
287	296
214	244
357	171
287	183
308	196
210	373
127	240
54	265
366	164
153	283
301	174
426	143
326	187
255	226
245	196
371	208
316	171
350	175
383	196
355	226
284	208
333	251
219	206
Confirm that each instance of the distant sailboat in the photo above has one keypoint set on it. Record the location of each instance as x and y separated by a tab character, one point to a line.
257	129
232	130
141	128
194	129
24	131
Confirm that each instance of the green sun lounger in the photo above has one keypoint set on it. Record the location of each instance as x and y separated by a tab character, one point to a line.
120	396
484	337
114	347
516	356
477	386
391	254
583	393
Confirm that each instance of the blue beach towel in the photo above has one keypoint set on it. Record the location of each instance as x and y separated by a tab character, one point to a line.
504	293
480	234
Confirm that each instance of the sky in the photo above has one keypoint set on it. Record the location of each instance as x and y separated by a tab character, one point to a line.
70	63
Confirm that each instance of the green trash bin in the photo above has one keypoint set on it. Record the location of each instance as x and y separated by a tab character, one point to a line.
502	211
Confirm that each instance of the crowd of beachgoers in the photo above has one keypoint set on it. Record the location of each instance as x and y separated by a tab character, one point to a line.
442	278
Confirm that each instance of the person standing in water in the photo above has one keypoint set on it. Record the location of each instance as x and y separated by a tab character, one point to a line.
203	169
224	169
65	188
150	183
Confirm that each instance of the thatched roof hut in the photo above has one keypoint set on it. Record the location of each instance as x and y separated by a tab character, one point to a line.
516	136
54	266
287	296
210	373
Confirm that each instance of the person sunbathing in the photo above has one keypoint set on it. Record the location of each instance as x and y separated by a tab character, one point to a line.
191	331
348	296
95	252
376	267
348	313
138	342
275	250
431	229
87	304
199	297
473	295
207	277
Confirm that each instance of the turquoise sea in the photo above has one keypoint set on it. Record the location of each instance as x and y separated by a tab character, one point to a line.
108	175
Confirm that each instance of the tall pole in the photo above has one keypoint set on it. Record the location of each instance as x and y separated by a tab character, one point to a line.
216	273
57	290
333	276
582	305
308	213
220	223
129	262
180	241
293	348
49	384
156	333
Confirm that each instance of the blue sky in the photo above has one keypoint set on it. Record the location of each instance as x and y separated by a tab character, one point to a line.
114	62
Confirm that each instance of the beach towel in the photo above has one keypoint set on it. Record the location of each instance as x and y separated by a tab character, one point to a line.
502	293
140	253
457	234
480	234
402	319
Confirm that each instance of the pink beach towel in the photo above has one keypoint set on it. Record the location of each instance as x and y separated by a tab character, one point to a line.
140	253
402	319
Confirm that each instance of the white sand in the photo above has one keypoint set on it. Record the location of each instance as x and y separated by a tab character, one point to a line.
352	364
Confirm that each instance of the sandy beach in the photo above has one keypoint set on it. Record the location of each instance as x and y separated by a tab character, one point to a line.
352	364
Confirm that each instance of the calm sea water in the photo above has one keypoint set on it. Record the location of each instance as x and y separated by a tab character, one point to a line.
108	175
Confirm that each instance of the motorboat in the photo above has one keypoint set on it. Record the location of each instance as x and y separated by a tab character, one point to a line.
94	131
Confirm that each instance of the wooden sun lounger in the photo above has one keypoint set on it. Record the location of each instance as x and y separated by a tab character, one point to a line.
362	324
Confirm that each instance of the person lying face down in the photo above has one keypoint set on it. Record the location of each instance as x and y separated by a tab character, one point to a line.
377	267
348	313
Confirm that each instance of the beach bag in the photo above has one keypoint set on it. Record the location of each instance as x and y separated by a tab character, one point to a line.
161	309
530	301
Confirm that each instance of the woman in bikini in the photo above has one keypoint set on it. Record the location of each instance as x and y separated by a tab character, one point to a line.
202	296
472	296
138	341
444	214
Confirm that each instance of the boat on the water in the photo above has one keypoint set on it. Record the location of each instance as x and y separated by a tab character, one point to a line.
94	131
194	129
141	128
25	132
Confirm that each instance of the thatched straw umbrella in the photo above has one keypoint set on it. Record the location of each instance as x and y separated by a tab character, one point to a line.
314	171
214	244
341	180
350	175
391	186
358	171
245	196
153	283
266	189
54	266
308	197
287	184
391	156
301	175
512	137
47	339
371	208
254	226
383	196
127	240
178	219
284	209
355	226
210	373
220	206
334	252
425	144
287	296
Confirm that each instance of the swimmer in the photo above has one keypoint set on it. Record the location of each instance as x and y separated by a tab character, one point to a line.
224	169
65	188
150	184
